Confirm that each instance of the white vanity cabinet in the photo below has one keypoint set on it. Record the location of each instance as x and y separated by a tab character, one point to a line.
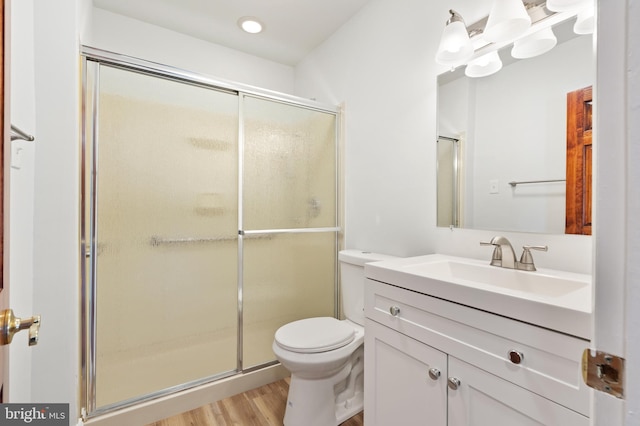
482	398
507	372
406	378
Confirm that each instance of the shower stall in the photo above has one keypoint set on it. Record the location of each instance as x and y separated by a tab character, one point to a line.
210	219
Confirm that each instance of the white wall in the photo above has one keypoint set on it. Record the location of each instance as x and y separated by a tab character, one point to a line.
454	98
21	177
55	367
380	64
145	41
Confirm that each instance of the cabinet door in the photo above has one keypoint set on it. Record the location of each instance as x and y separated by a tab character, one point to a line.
398	387
484	399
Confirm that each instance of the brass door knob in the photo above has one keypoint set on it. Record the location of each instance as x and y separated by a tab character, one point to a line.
10	325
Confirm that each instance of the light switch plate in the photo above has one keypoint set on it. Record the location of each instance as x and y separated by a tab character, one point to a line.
493	186
16	156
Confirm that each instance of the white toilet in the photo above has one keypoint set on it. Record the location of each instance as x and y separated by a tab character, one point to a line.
326	356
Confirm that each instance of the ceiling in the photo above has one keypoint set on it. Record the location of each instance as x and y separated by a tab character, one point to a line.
292	27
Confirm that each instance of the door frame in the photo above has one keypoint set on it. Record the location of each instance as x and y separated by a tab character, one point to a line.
617	204
4	207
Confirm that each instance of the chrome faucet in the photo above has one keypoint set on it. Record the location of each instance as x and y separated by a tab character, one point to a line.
505	257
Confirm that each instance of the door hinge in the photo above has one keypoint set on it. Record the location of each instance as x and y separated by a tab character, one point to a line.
603	372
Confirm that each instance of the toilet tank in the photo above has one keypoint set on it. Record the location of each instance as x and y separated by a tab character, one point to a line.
352	281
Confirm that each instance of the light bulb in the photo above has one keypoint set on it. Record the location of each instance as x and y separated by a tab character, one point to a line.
250	24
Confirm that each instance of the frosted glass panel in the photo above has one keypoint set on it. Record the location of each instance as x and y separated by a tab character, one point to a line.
289	166
166	269
286	277
164	230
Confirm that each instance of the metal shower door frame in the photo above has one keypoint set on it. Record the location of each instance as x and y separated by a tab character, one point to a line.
92	60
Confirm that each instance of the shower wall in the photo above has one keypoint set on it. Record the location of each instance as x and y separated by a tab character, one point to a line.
177	170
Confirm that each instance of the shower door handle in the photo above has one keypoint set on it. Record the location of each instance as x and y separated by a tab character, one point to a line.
10	325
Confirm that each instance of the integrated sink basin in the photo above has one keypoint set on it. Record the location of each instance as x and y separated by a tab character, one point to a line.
534	283
553	299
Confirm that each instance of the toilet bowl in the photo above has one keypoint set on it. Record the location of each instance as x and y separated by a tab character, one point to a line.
324	389
326	356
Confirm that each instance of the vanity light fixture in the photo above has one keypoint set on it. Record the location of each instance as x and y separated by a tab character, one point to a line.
455	46
508	20
535	44
585	23
484	65
250	24
567	5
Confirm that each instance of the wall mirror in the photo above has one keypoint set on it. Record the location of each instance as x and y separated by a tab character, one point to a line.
510	127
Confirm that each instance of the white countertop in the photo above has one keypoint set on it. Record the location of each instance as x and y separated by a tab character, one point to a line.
567	310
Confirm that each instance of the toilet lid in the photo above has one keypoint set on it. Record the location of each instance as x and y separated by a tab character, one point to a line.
314	335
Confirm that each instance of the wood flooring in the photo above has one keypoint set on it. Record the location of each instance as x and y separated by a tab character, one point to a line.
263	406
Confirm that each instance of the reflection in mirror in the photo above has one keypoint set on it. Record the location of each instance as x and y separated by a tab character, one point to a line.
511	127
579	161
448	156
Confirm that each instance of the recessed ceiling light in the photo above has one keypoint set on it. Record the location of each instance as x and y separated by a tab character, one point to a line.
250	24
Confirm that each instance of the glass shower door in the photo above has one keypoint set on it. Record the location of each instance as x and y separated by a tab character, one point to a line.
289	220
164	243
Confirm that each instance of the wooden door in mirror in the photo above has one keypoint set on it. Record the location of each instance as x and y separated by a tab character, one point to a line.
579	162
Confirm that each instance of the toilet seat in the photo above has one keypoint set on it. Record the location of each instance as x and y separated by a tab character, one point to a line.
313	335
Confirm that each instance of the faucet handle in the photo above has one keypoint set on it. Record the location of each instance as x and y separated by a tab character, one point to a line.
496	257
540	248
526	260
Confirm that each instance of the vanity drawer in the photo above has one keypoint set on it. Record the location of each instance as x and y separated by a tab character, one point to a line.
550	361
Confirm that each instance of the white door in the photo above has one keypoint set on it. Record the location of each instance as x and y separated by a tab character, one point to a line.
616	200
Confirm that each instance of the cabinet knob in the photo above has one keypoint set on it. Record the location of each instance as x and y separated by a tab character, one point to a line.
515	356
453	383
394	310
434	373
